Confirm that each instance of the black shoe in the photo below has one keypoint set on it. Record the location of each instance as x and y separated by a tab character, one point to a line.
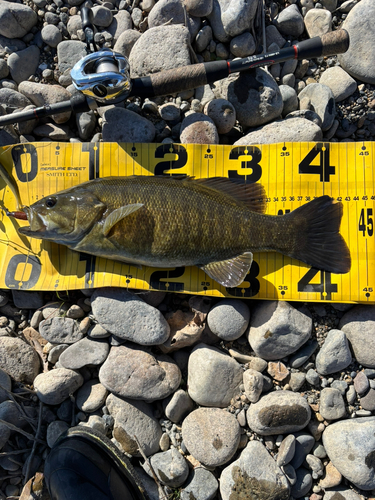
86	465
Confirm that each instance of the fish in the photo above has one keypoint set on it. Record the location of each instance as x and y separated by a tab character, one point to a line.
10	182
214	224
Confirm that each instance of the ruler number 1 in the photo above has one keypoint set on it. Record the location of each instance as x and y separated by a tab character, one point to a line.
366	222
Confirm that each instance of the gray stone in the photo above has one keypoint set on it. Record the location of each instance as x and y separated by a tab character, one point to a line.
53	132
341	494
290	473
290	99
69	52
24	63
170	467
318	22
85	352
223	114
172	12
213	377
358	324
86	123
6	385
55	430
199	8
361	383
13	99
320	99
303	483
60	330
255	96
286	450
19	360
40	95
339	81
51	35
8	45
134	418
203	38
350	446
332	406
102	16
303	354
253	385
288	130
197	128
98	332
368	400
296	381
277	329
359	60
169	111
27	299
126	41
229	318
316	465
91	396
122	125
16	19
335	354
255	473
55	353
243	45
178	406
122	22
201	485
229	19
128	317
131	371
289	67
211	435
74	25
304	444
351	395
279	412
53	387
312	377
4	70
273	35
289	21
340	385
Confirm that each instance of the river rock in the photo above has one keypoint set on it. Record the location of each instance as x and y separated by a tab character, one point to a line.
350	446
273	35
13	99
24	63
332	406
289	21
289	130
6	385
320	99
339	81
128	317
134	418
341	494
41	95
279	412
211	435
228	319
290	99
161	48
69	52
60	330
122	125
86	351
253	384
132	372
255	96
243	45
126	41
102	17
256	474
303	482
121	22
16	19
170	467
318	22
213	377
222	113
359	60
199	8
197	128
334	355
51	35
19	360
53	387
55	430
177	406
91	396
201	484
277	329
358	324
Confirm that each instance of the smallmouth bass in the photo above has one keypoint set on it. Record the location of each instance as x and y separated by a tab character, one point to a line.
212	223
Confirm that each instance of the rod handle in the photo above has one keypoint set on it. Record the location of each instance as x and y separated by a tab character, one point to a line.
329	44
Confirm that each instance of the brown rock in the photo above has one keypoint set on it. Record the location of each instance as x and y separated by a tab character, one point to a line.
278	370
332	477
186	329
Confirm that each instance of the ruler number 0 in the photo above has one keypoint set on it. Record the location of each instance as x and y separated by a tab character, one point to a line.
366	222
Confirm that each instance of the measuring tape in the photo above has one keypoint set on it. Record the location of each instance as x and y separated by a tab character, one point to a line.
292	174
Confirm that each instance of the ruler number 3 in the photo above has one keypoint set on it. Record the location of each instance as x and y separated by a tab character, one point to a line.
366	222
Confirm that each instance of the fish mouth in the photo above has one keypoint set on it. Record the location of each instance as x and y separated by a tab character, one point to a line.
37	224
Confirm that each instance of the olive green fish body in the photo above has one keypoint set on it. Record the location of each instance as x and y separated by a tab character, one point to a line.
166	222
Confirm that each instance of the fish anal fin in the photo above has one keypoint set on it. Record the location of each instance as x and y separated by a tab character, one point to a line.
231	272
118	214
251	195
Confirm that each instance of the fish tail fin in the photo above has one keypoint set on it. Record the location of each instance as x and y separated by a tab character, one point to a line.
318	241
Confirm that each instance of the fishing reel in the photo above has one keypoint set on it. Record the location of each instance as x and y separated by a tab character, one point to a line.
102	75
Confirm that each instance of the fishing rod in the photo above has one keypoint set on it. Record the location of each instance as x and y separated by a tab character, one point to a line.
103	76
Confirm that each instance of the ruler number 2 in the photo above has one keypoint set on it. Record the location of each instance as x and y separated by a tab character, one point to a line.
366	222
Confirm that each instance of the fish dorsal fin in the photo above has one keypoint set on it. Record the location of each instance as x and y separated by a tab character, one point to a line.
119	214
252	195
229	272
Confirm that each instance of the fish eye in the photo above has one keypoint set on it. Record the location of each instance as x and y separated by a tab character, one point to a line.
50	202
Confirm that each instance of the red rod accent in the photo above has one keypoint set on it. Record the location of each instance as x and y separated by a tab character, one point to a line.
295	51
18	215
228	64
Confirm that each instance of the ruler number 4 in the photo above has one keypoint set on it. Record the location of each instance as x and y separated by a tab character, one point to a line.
366	222
323	169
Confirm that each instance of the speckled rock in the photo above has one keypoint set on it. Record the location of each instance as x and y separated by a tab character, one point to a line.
178	406
279	412
197	128
201	484
254	472
121	22
358	324
320	98
335	354
123	125
339	81
170	467
16	19
211	435
60	330
332	406
19	360
126	41
87	351
229	318
318	22
223	114
289	21
253	384
53	387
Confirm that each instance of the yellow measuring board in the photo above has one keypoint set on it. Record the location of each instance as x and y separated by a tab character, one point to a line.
292	174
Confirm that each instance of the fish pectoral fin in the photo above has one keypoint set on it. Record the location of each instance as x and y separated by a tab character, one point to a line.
229	272
119	214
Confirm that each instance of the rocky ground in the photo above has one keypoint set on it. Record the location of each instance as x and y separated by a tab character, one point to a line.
228	400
